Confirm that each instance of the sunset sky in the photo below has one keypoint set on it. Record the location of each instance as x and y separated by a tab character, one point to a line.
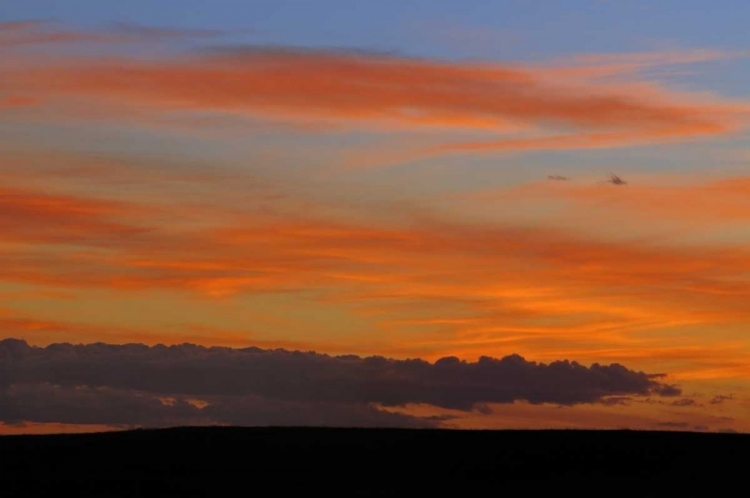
403	181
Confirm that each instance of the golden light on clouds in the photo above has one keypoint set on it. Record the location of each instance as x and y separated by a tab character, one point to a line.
124	223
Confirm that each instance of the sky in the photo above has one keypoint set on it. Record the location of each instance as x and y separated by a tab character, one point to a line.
510	214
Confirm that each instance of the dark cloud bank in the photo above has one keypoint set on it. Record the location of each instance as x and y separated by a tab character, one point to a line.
156	386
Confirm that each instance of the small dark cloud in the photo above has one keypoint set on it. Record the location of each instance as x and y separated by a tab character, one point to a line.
121	384
483	408
685	402
721	398
667	390
727	430
722	419
700	428
616	400
615	180
557	178
673	425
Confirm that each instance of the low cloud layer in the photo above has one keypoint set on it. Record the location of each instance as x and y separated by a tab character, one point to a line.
151	386
47	403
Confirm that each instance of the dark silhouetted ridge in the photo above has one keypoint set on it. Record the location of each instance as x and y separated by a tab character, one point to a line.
226	461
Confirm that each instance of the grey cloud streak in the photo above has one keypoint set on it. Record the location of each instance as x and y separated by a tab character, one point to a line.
46	403
122	384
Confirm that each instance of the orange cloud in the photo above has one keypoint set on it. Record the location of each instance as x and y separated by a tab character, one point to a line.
40	331
603	65
468	288
17	101
295	249
370	90
427	287
37	217
631	414
26	428
571	141
581	140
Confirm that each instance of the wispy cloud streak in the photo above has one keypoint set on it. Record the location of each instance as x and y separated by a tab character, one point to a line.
369	91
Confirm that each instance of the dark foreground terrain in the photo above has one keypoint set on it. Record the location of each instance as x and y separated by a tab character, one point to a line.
366	462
